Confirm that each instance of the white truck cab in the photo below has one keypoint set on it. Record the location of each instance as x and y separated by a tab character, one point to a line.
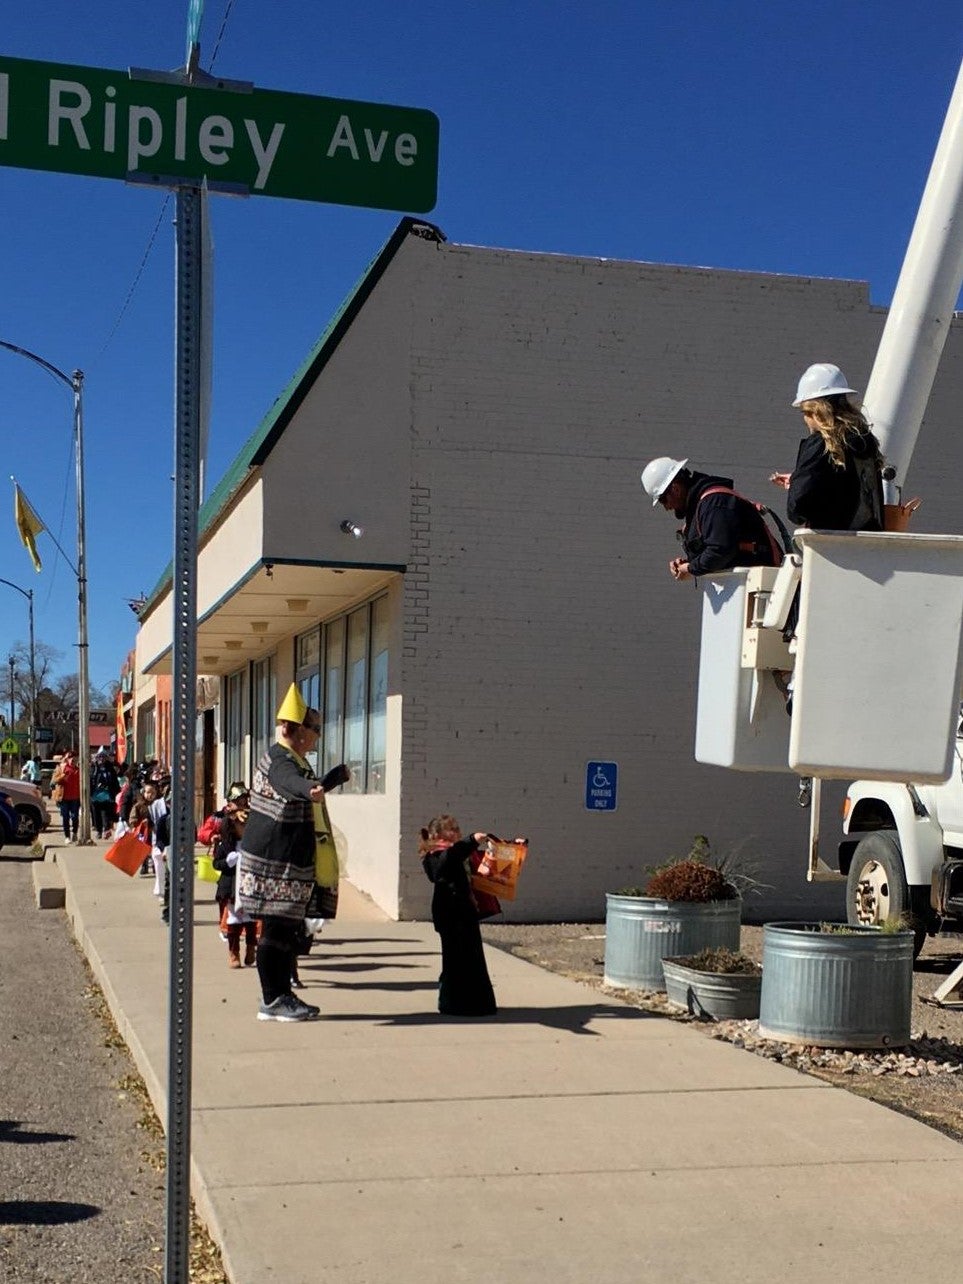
902	853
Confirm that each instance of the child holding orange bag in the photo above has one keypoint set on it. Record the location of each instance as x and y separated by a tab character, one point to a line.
464	988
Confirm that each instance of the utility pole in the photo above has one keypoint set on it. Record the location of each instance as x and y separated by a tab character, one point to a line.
75	383
10	661
83	701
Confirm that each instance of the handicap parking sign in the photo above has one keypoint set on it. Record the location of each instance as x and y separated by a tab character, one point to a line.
601	786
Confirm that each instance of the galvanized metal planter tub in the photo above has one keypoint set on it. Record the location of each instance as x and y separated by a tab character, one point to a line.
849	989
640	931
722	996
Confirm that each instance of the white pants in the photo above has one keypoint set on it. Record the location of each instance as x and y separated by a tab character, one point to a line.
160	865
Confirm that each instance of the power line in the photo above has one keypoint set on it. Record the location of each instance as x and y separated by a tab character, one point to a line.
217	42
160	218
137	276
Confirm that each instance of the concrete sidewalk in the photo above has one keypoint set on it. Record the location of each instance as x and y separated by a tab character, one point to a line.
569	1139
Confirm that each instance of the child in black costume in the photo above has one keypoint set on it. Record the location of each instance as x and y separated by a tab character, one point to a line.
464	988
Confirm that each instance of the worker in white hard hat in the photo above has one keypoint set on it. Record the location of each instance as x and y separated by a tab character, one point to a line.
837	481
722	529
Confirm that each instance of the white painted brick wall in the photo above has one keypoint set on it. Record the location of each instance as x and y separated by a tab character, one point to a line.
541	627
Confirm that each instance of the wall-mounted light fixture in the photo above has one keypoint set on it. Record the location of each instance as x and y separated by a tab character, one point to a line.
259	626
351	528
210	659
233	644
297	605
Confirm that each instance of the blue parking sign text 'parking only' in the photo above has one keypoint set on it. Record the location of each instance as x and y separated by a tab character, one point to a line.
601	786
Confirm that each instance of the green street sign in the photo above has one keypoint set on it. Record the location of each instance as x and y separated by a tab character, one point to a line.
84	120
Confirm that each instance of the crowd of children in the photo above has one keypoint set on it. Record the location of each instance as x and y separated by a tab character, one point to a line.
448	859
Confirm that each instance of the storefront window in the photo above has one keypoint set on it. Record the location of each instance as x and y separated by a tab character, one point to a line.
235	727
264	700
341	668
333	694
307	662
356	699
147	733
378	696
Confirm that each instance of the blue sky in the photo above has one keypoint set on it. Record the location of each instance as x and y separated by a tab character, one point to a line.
724	133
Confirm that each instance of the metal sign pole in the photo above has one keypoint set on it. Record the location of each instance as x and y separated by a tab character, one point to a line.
181	869
83	662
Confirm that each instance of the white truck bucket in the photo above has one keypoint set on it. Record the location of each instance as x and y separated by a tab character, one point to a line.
877	674
741	720
876	669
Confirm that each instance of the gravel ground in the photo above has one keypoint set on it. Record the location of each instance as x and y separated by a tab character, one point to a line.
925	1080
82	1193
82	1199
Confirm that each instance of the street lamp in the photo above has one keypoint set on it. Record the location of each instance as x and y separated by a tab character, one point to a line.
75	383
28	594
12	680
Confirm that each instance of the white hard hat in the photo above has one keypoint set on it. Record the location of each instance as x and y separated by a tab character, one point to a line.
821	380
658	475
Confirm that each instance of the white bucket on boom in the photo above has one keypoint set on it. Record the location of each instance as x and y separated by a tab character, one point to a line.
876	670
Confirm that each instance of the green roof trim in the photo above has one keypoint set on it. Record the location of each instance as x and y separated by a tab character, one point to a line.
260	443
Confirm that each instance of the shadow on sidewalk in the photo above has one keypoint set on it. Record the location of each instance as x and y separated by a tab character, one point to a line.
572	1019
322	963
317	954
368	940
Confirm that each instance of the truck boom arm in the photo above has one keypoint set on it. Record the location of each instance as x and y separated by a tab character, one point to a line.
923	302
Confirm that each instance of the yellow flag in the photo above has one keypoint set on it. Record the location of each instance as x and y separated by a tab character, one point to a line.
29	525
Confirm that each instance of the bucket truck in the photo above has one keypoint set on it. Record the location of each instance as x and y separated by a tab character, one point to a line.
875	695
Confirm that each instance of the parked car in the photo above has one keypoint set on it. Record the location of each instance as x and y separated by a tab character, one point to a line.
31	810
8	821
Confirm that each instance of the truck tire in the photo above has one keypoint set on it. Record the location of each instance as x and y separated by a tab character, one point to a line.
876	888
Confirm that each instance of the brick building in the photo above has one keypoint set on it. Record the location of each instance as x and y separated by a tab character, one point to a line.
506	615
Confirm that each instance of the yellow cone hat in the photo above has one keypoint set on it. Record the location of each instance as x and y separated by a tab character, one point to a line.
293	708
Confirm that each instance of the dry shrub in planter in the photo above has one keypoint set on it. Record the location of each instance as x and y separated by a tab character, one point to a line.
690	880
693	879
716	983
721	962
687	905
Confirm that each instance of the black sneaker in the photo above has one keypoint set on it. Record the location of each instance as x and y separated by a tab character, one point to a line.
287	1008
313	1011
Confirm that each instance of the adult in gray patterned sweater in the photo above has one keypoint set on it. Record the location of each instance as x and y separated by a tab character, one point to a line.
277	859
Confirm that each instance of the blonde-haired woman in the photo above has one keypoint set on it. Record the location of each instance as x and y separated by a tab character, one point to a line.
837	481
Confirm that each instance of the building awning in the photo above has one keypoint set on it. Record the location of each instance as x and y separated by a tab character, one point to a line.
275	602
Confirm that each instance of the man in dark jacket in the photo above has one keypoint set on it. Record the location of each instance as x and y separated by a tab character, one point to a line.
721	529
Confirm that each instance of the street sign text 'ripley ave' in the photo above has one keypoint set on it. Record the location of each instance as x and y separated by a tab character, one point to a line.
108	124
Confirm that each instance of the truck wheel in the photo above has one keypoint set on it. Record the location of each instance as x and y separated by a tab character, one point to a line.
876	888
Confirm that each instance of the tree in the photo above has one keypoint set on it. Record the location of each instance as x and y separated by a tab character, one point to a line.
45	661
